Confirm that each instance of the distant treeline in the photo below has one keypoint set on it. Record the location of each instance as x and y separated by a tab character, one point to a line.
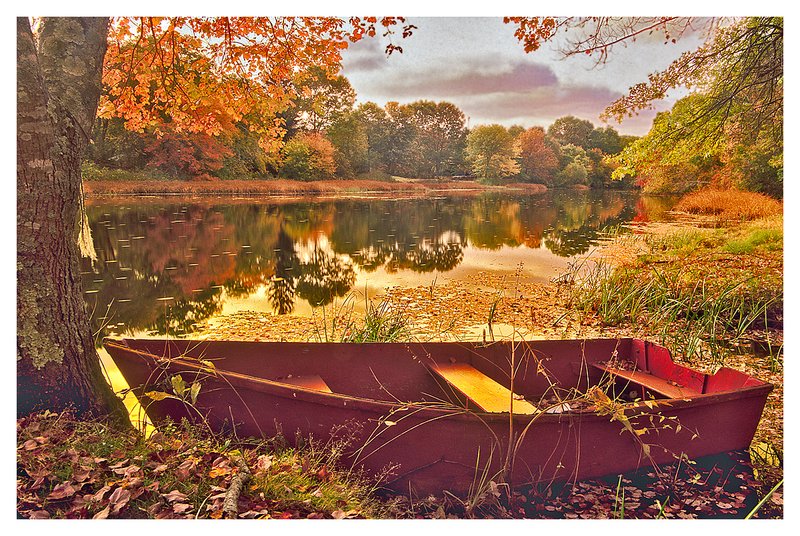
328	136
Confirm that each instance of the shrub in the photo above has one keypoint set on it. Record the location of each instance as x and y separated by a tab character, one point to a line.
308	156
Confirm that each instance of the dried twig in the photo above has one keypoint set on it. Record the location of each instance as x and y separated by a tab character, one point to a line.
230	508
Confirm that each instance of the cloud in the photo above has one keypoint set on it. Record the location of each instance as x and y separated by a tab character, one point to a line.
441	83
543	105
554	101
364	57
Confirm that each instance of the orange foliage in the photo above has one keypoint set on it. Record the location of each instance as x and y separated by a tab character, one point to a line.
194	155
537	159
205	73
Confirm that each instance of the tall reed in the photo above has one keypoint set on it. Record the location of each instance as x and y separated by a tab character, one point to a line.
688	314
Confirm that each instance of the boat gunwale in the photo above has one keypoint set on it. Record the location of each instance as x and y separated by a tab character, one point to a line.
299	393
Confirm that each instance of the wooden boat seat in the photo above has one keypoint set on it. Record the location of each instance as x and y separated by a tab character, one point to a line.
308	381
479	388
649	381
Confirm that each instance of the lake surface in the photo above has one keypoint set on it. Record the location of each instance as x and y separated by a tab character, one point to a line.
167	265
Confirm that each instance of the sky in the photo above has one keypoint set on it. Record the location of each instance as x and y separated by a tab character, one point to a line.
477	64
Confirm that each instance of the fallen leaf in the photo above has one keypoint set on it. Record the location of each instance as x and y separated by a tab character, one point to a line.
180	508
119	498
174	496
263	463
102	514
39	514
62	491
219	471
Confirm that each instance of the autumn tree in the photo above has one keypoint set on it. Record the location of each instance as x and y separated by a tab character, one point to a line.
674	168
199	74
439	136
58	87
738	70
491	152
537	158
195	156
322	99
571	130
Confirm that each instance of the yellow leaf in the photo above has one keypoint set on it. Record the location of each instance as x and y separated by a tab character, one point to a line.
219	471
157	395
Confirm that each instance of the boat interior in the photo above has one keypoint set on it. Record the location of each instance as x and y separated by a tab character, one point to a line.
472	375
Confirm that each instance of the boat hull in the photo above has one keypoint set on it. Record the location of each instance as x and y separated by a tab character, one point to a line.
439	444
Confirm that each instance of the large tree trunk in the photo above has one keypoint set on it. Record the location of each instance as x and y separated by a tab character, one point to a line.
58	87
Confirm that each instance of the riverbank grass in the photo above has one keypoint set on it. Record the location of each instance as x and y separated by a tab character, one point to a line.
702	290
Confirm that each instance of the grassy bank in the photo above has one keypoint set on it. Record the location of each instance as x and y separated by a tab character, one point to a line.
106	182
711	291
704	290
285	187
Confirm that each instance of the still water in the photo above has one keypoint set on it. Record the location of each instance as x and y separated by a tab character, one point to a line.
167	265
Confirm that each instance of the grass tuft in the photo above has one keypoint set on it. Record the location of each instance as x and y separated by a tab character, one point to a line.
383	322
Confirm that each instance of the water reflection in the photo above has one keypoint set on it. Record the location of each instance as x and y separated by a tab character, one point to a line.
166	267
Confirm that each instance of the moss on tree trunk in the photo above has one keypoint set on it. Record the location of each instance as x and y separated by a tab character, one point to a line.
58	87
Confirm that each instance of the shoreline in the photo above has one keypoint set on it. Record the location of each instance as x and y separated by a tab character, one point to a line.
290	188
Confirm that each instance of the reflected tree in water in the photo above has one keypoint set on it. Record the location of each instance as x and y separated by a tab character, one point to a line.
281	287
149	254
312	251
324	277
185	315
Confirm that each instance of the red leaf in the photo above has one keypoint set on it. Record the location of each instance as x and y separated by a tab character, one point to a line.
62	491
174	496
101	493
39	514
119	499
81	474
160	468
102	514
180	508
323	474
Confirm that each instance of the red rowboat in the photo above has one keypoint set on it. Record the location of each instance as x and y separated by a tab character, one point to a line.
436	416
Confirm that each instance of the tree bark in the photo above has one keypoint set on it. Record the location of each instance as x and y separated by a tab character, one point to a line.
58	88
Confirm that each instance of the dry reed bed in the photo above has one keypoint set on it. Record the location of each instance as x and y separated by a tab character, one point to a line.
729	205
